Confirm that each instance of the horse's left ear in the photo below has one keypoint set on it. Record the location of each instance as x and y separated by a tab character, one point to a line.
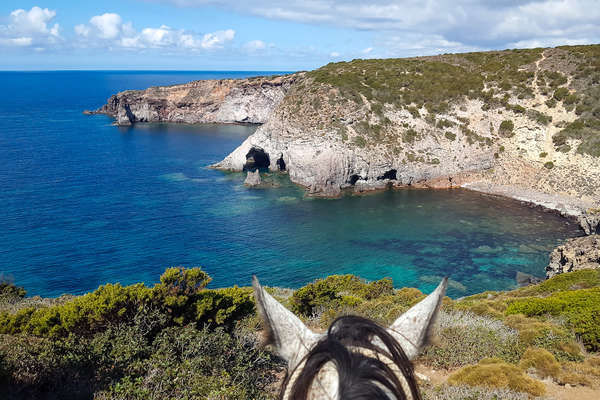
413	327
292	339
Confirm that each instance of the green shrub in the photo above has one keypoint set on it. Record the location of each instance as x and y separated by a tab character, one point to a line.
546	335
549	164
9	290
543	154
506	128
181	294
583	279
409	135
497	374
560	93
570	99
360	141
450	136
336	291
539	117
580	308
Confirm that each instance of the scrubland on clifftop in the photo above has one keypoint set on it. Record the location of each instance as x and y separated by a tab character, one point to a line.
179	339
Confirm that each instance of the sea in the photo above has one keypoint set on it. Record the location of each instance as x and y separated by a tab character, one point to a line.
84	203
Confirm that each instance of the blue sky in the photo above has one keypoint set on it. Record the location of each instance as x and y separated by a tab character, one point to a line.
275	35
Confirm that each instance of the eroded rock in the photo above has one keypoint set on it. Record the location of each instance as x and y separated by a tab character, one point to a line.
576	254
252	179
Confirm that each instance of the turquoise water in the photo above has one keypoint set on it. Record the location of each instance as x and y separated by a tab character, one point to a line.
85	203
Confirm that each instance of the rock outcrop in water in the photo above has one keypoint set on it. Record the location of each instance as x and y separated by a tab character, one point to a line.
521	123
252	178
575	254
209	101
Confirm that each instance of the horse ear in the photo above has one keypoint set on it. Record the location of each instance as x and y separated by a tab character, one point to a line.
291	338
413	327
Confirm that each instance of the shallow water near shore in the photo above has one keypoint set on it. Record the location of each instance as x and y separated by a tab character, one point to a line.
85	203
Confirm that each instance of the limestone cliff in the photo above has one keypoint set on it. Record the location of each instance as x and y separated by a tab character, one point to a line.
208	101
522	123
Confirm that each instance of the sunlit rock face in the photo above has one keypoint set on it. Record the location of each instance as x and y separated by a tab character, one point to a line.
249	100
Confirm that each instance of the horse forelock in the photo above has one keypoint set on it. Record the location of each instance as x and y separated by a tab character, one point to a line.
346	364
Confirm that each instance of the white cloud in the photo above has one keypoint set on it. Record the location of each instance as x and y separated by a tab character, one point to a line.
334	54
108	30
468	23
108	26
415	44
22	41
367	50
27	28
217	39
255	45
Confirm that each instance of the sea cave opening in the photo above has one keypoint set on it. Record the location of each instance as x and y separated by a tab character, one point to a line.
257	159
281	163
354	178
391	174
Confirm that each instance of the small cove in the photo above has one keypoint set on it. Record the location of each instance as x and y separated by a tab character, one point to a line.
86	203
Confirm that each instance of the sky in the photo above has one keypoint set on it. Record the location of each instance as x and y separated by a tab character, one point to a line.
271	35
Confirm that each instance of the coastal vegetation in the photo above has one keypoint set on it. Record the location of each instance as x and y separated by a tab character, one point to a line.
181	340
434	88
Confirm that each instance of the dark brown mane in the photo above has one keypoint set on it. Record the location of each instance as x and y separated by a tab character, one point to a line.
360	377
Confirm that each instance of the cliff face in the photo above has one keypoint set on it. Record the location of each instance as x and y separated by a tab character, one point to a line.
524	124
210	101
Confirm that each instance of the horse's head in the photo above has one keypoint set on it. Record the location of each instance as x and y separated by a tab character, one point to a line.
356	358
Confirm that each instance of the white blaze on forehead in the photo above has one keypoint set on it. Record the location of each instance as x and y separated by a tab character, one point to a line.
413	327
293	340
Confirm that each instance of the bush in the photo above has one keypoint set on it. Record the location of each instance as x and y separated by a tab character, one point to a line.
580	308
466	338
549	164
450	136
542	361
409	135
506	128
543	334
560	93
9	290
176	340
180	295
497	374
336	291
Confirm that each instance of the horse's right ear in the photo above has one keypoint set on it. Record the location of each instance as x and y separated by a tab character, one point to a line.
292	339
414	327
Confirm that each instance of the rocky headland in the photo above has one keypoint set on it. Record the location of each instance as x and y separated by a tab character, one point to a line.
518	123
248	100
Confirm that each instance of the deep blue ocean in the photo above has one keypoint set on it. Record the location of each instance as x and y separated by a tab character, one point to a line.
85	203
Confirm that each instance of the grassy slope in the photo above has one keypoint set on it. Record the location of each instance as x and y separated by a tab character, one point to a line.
180	340
427	87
